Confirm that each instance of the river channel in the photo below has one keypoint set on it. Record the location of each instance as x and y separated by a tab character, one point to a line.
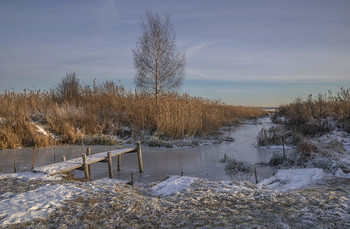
201	161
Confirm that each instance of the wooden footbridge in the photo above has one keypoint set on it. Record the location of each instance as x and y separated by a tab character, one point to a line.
87	159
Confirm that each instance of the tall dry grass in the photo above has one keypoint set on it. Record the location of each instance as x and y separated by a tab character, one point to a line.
110	109
317	114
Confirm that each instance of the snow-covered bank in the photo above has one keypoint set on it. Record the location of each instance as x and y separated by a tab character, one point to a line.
177	201
38	203
292	179
29	176
172	185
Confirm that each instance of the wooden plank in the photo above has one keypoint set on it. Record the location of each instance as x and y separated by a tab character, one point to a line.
66	166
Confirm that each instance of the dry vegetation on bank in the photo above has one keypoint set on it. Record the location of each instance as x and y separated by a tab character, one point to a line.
320	114
73	113
319	128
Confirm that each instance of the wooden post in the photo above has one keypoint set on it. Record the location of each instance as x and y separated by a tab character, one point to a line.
132	178
34	156
14	166
54	148
86	170
225	157
110	169
284	148
88	152
256	177
139	156
63	158
182	173
119	161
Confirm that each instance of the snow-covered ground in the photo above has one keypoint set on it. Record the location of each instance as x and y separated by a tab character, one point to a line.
55	202
38	203
172	185
292	179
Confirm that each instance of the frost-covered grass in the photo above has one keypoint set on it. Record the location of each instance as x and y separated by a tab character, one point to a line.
238	170
292	198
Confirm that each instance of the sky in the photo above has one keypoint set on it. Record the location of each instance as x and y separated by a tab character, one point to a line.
256	53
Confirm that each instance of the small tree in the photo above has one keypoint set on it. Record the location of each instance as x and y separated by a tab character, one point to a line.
160	68
68	89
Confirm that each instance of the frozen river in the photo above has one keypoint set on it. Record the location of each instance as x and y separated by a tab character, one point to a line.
201	161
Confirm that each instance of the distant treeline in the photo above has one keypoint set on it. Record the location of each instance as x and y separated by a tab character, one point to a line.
71	111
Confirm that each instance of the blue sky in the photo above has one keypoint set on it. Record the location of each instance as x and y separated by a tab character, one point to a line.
241	52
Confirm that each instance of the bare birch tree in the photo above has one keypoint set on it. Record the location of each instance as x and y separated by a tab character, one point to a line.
160	67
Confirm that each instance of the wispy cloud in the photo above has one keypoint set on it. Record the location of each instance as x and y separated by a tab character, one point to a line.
193	49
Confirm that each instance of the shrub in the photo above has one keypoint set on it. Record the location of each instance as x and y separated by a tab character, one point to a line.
280	160
234	168
272	136
305	148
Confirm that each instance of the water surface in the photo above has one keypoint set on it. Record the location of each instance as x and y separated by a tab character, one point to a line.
202	161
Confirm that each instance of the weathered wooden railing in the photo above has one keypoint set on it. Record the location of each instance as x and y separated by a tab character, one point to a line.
88	159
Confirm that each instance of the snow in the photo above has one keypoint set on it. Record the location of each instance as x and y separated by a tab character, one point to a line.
292	179
76	162
341	174
277	147
34	204
340	136
29	176
41	129
172	185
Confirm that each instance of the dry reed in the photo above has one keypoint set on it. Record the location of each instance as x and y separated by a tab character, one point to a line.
316	115
109	109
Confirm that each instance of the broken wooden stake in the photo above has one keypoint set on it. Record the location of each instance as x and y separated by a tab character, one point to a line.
86	170
109	160
34	156
256	177
132	178
88	153
284	147
14	166
119	161
139	156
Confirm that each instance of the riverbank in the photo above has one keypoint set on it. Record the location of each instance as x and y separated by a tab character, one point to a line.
175	202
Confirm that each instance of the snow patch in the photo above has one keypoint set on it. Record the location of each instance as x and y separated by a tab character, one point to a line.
35	204
40	129
341	174
292	179
172	185
277	147
29	176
